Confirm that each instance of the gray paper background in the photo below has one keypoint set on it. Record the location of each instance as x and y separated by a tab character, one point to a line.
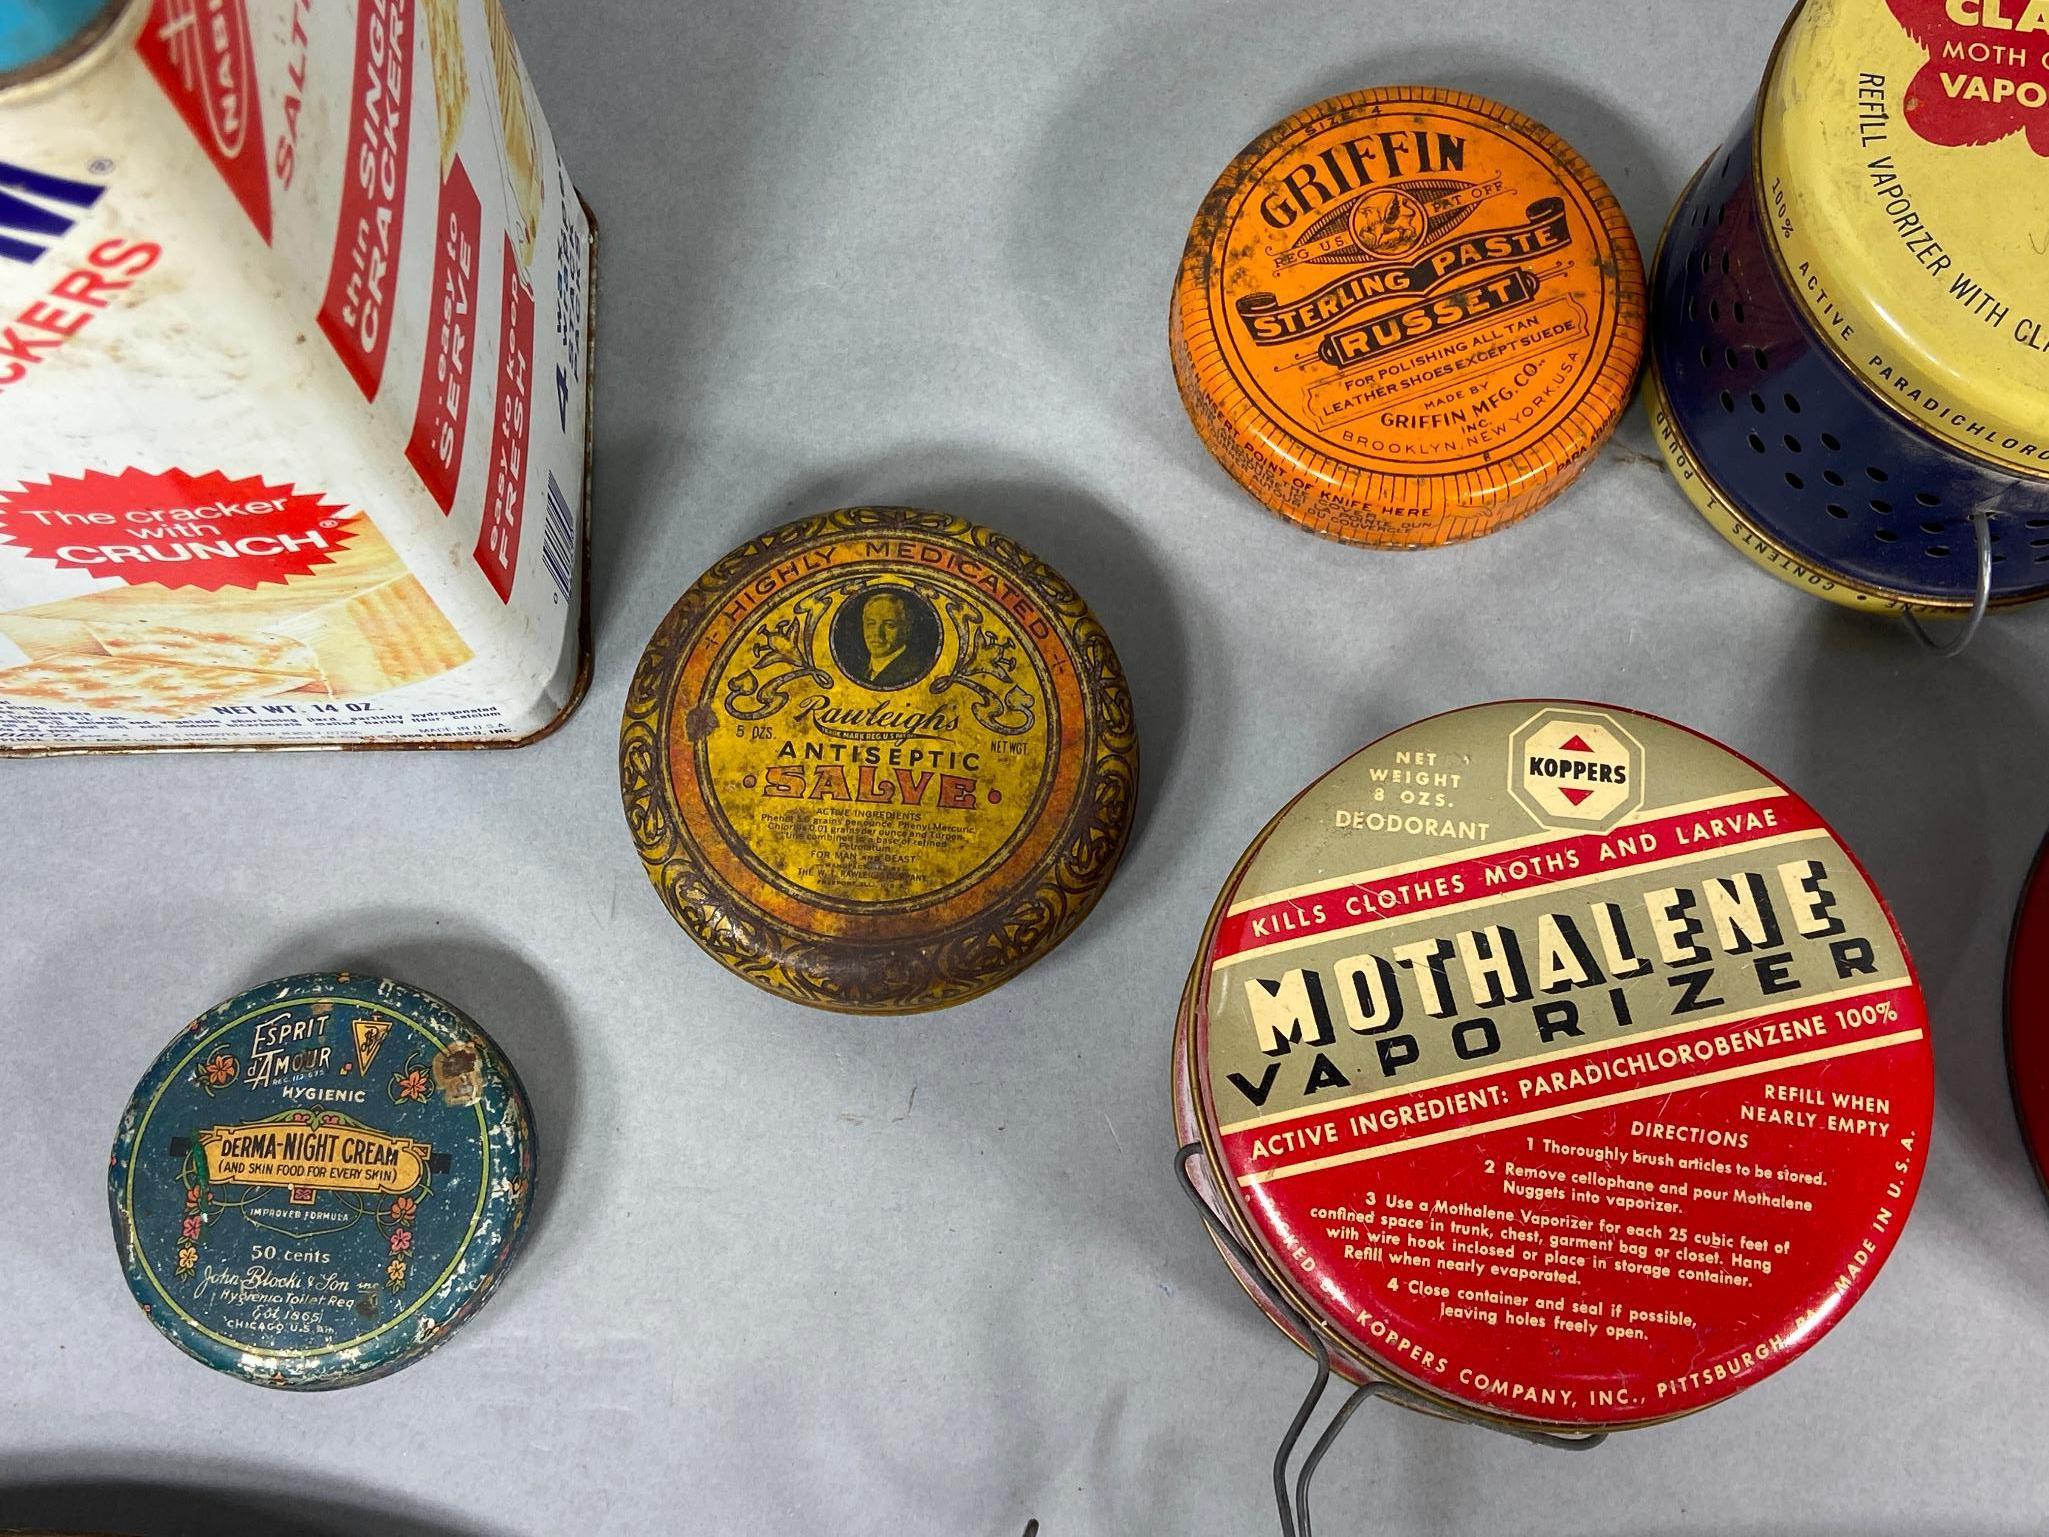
800	1274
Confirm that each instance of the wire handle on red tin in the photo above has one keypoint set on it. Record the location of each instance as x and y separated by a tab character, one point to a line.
1981	524
1295	1520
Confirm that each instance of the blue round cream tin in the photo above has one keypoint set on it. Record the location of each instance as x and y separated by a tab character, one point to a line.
320	1178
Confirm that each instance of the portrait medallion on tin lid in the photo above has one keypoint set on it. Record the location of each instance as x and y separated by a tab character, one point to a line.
1561	1064
1407	316
321	1178
879	760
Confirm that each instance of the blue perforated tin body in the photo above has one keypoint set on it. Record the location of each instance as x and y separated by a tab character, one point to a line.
319	1179
1800	446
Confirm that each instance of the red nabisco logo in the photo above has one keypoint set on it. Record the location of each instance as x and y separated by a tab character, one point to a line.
200	54
174	529
1573	768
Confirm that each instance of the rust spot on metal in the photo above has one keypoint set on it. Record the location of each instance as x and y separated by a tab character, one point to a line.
458	1076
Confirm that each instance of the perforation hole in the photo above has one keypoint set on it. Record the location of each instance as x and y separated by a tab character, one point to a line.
1725	264
1885	536
1730	355
2038	523
1792	444
1736	309
1832	477
1927	498
1756	443
1760	357
1876	473
1715	310
1793	404
1880	504
1829	442
1757	403
1693	308
1837	510
1707	357
1728	402
1937	551
1931	528
1795	481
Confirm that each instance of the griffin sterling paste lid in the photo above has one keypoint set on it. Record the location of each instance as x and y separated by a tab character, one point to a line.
2027	1014
879	760
1562	1064
319	1179
1407	316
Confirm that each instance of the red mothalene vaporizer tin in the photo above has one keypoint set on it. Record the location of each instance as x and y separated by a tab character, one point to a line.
1559	1064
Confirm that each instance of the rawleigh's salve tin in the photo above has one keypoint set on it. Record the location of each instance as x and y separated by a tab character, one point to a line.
294	377
879	760
1407	316
2027	1014
1559	1063
319	1179
1851	317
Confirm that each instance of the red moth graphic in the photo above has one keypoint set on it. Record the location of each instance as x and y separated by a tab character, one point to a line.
1987	74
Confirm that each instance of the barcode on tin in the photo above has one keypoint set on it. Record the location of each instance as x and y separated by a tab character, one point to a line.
558	543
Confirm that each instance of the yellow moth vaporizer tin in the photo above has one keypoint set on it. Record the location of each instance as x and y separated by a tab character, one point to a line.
879	760
1407	316
1851	327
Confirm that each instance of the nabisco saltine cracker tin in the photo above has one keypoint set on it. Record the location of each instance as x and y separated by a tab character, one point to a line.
1851	310
320	1179
879	760
1558	1063
1407	316
294	372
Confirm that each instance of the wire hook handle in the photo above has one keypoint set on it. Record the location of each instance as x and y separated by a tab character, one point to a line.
1981	523
1294	1513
